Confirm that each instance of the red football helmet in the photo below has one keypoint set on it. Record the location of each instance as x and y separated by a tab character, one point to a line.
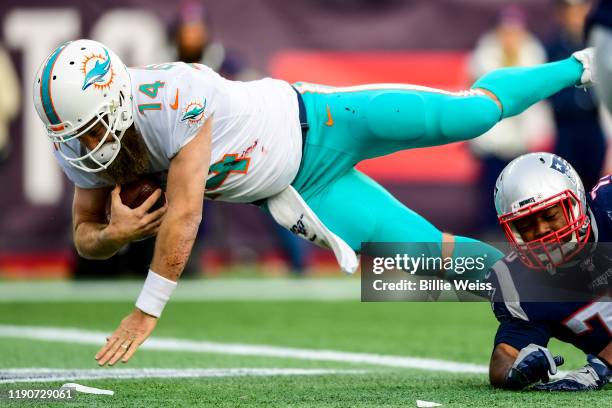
530	185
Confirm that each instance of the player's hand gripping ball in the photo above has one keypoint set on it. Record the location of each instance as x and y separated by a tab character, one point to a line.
135	193
135	211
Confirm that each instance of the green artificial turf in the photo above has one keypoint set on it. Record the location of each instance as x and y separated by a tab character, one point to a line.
461	332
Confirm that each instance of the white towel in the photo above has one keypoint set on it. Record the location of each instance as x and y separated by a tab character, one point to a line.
291	211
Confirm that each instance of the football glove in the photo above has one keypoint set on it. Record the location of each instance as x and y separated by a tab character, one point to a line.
586	58
533	364
593	376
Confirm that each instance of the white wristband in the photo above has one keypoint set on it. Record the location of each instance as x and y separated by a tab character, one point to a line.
155	294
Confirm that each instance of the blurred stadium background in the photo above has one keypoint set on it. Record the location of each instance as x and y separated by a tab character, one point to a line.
336	42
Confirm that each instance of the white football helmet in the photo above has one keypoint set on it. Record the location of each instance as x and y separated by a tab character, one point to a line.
534	182
83	83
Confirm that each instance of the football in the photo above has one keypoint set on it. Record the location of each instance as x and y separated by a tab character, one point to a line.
135	193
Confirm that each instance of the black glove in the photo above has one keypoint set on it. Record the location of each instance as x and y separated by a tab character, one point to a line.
533	364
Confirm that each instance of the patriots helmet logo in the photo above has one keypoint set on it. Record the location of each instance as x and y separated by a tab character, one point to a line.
559	165
563	167
194	112
101	74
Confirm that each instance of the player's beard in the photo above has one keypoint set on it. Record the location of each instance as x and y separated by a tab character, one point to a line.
131	161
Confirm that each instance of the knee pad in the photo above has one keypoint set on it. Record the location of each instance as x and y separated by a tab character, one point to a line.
421	118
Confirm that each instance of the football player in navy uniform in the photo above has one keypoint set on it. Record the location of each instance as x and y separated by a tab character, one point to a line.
557	281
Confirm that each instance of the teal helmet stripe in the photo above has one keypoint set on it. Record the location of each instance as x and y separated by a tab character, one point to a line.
45	86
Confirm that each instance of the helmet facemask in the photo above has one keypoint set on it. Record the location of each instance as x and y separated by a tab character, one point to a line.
113	117
84	89
557	247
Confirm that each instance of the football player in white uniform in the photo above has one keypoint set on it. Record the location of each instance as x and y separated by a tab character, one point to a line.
251	142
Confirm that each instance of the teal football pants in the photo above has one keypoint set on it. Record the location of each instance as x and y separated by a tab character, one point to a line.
351	124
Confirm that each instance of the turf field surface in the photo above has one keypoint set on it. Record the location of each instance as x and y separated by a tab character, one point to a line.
257	349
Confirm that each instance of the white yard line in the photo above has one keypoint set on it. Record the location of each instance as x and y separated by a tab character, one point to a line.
17	375
70	335
188	290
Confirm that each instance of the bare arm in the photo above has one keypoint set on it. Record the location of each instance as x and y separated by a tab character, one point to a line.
606	354
502	359
97	238
89	223
185	194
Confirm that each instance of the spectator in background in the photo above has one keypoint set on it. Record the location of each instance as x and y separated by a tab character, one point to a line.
191	33
580	139
9	100
508	44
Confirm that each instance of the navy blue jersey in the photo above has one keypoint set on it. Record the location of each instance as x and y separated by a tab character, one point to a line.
573	315
601	14
600	202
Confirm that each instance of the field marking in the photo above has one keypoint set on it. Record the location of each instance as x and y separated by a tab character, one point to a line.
321	289
17	375
71	335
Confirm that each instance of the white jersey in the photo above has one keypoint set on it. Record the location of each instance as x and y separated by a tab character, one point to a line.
256	135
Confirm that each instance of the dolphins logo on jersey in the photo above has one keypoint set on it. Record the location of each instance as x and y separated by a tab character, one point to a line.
101	74
194	112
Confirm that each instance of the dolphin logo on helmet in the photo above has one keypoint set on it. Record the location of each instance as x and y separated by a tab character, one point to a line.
69	112
98	72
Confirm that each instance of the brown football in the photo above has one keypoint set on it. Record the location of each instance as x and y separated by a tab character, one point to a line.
135	193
